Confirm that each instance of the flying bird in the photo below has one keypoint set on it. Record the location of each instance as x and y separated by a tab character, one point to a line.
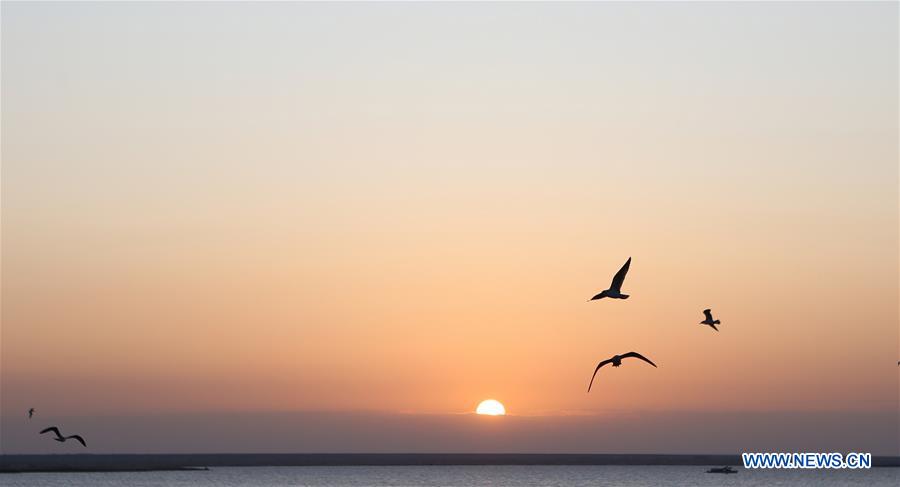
30	413
616	361
60	438
709	320
615	289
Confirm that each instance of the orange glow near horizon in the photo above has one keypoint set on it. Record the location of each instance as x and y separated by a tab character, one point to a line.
395	207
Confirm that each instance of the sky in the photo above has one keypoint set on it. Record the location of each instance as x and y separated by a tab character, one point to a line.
305	226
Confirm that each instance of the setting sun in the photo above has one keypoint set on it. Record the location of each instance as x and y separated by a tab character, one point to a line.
490	407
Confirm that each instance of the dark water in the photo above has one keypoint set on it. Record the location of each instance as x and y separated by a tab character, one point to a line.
448	476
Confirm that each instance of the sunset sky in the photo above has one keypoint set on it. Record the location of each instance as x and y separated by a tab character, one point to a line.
302	227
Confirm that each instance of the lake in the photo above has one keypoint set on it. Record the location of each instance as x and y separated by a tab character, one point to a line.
449	476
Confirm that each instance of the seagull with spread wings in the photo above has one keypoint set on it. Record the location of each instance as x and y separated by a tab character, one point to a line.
615	289
616	361
709	321
60	438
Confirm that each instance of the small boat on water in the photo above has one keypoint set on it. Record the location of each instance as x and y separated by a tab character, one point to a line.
725	469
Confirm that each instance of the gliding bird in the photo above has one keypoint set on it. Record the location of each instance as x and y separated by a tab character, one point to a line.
60	438
616	361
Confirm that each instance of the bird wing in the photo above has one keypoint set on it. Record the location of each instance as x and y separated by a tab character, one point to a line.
601	364
713	325
78	438
637	355
708	314
619	278
53	429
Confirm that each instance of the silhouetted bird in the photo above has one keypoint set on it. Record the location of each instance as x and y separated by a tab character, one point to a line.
62	438
30	413
709	320
615	289
616	361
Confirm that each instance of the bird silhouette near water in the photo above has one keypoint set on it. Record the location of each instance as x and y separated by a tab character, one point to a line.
615	289
30	413
616	361
709	321
60	438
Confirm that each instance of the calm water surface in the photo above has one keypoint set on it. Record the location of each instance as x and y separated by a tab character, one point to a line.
448	476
